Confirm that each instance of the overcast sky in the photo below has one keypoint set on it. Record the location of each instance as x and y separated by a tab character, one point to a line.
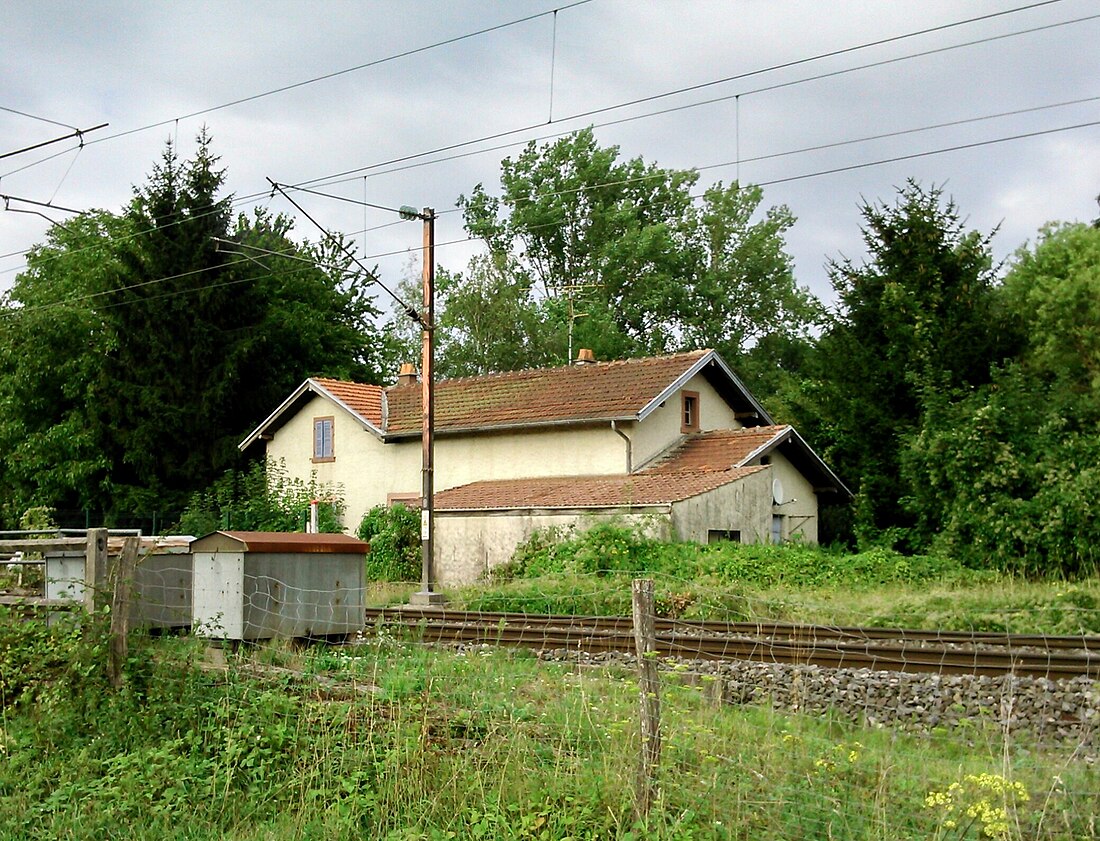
136	64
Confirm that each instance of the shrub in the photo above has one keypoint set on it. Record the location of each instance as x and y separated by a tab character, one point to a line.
394	537
609	548
262	498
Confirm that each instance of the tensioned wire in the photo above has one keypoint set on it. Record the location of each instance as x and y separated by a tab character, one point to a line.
324	180
463	240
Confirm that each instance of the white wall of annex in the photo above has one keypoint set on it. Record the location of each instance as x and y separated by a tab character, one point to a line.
469	544
799	508
744	506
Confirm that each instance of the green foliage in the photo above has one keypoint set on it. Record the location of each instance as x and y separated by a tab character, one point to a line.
38	517
1007	476
284	743
617	254
136	351
394	536
262	498
918	318
559	572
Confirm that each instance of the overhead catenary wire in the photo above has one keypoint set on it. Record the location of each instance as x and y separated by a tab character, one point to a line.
375	63
332	179
410	311
357	171
36	117
756	158
78	133
467	239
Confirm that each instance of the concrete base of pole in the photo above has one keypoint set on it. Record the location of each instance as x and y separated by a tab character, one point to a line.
427	598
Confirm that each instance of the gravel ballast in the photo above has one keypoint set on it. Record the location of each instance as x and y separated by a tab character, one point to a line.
1047	710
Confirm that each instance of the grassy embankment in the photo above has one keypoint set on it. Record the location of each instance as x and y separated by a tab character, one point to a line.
590	574
397	741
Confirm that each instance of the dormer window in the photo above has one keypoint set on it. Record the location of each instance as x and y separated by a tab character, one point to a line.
322	440
689	411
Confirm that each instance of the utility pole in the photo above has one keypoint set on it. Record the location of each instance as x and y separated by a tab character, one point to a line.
427	594
426	319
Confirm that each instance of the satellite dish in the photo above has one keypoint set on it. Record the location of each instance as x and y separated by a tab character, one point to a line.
777	491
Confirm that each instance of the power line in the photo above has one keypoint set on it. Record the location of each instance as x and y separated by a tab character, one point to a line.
409	310
771	156
328	179
942	27
800	177
33	164
365	65
901	132
463	240
915	155
331	179
757	158
79	133
36	117
48	204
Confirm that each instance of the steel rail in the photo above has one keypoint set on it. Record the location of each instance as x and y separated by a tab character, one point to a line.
790	630
895	654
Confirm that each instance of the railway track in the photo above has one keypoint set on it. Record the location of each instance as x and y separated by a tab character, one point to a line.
946	652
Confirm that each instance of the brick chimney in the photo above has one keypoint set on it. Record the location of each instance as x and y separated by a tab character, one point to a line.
585	356
407	375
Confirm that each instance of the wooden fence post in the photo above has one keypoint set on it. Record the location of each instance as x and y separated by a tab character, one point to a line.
122	576
645	643
95	567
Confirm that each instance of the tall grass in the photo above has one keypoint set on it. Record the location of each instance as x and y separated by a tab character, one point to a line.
589	572
394	740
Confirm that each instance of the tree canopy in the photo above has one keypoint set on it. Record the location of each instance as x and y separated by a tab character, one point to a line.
915	320
589	250
138	348
1011	471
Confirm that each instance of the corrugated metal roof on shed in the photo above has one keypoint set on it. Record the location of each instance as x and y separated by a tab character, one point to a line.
280	542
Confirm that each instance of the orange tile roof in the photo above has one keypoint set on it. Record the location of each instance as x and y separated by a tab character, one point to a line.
365	400
600	391
718	449
638	489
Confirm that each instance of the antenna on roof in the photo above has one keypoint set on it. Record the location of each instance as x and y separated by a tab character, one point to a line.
569	289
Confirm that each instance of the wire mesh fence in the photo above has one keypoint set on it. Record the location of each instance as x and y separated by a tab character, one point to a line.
500	731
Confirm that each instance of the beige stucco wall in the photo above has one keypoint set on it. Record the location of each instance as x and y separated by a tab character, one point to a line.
661	428
364	469
800	509
469	544
744	506
368	470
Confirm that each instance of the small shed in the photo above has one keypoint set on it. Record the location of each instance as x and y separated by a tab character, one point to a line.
259	585
161	586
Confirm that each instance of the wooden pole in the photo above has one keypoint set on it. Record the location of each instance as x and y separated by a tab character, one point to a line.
121	580
645	643
427	594
95	567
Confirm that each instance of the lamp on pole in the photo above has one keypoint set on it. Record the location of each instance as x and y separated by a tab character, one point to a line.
427	594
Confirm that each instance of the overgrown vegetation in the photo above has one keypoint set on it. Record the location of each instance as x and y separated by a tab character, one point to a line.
262	498
588	572
394	536
958	400
396	741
